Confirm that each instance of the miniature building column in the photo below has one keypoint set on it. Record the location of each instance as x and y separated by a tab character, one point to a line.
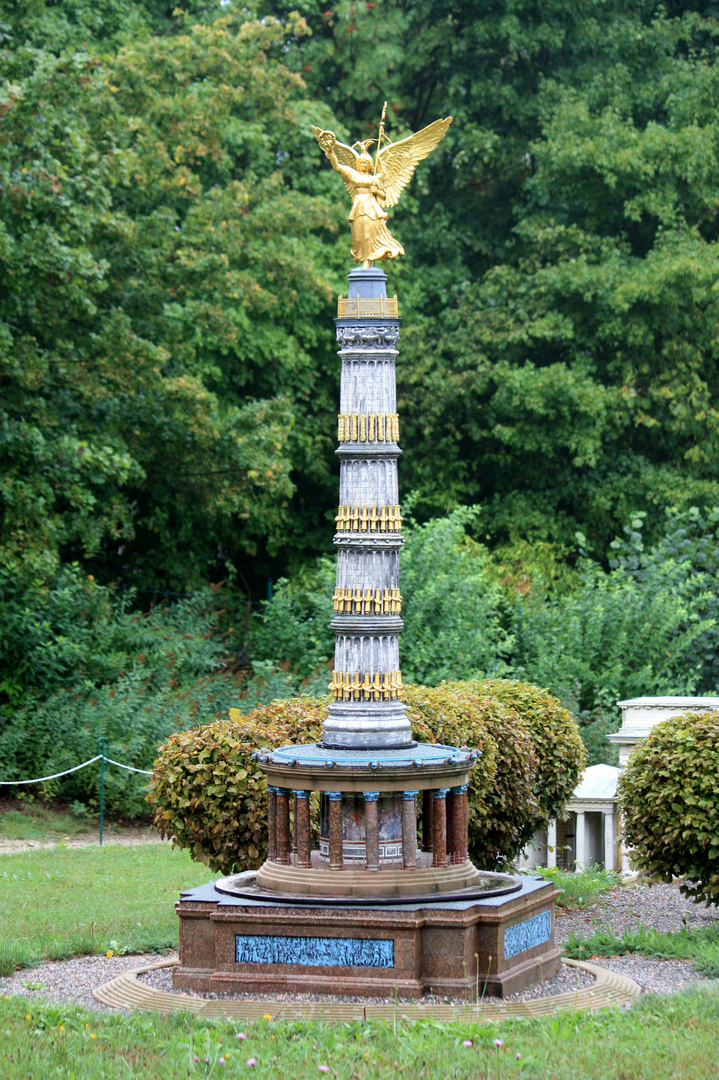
272	821
409	830
371	829
302	827
439	831
427	820
552	844
335	829
580	841
609	853
283	826
457	825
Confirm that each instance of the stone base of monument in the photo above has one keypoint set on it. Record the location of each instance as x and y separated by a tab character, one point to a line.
468	948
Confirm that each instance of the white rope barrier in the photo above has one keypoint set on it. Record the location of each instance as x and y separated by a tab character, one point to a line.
41	779
130	768
75	768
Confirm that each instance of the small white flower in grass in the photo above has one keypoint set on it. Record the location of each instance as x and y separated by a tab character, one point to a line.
324	1068
498	1043
221	1061
251	1061
467	1042
240	1035
518	1055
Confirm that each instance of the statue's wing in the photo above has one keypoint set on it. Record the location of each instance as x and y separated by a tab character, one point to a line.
398	162
345	154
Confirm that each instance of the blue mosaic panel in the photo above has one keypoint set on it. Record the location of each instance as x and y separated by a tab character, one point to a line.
313	951
525	935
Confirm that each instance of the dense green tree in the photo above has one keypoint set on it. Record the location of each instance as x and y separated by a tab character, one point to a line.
163	285
559	345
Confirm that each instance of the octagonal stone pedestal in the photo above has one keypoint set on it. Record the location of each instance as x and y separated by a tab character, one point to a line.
462	948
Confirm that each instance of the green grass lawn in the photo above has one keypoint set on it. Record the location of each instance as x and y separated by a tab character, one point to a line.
62	903
658	1039
66	902
35	821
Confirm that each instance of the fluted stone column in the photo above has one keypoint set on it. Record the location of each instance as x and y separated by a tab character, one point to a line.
335	829
302	828
552	844
366	712
409	830
439	837
371	829
283	826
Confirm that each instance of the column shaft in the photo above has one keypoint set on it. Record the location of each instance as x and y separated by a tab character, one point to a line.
609	852
371	829
283	826
427	820
409	830
439	839
302	827
552	844
272	822
335	828
580	841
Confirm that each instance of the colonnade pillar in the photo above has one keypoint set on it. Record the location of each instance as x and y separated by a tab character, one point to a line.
335	829
302	828
439	830
371	829
283	825
409	830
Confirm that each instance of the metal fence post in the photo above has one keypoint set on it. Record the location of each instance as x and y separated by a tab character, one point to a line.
103	747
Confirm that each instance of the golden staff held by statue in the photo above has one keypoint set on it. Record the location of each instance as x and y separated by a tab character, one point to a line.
376	185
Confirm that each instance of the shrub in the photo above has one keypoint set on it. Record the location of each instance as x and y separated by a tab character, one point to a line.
560	752
503	810
207	791
208	794
669	799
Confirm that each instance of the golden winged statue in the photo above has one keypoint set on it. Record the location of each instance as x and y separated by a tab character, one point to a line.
377	184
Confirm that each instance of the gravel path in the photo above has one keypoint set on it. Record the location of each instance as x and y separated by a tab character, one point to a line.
659	906
125	837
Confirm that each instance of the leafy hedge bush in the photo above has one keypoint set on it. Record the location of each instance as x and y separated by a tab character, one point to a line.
557	742
502	806
669	799
208	794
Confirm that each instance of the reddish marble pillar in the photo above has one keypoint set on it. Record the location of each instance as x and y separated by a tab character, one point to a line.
409	830
427	820
294	822
302	827
439	837
272	822
283	826
371	829
457	825
461	819
335	829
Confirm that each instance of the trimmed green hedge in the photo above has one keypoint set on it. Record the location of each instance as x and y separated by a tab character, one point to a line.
669	799
208	794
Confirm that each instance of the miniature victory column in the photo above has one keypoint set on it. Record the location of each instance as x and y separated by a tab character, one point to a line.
369	908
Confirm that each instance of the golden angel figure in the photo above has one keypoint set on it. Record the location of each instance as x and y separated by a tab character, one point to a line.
377	184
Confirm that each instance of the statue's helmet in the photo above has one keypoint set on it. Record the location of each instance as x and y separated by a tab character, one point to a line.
364	158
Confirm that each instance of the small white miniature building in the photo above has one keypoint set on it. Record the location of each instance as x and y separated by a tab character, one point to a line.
587	836
639	715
